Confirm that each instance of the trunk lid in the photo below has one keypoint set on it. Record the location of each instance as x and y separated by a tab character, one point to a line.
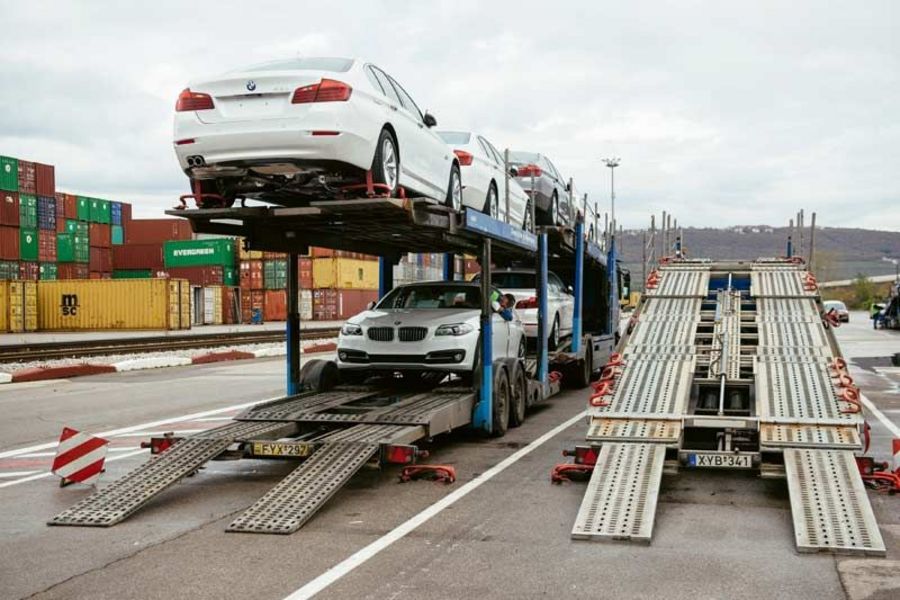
251	96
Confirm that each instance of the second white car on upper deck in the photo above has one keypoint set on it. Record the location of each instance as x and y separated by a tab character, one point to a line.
303	129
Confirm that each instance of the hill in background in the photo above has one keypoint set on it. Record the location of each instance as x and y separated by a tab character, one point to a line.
841	253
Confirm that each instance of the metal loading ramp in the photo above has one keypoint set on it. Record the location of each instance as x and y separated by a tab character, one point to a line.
736	327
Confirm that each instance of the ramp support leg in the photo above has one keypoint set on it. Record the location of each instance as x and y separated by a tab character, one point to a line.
449	268
484	410
579	285
292	335
612	268
543	356
385	276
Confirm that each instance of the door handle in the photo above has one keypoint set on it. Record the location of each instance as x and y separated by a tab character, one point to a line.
394	108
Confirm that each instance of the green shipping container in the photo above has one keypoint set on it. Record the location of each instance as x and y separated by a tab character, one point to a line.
118	235
275	274
199	253
133	274
28	244
79	228
83	208
9	174
231	277
65	247
28	211
48	272
105	215
82	246
9	269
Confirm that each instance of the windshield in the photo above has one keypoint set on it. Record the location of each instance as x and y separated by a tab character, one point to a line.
455	137
432	296
337	65
512	280
531	158
835	304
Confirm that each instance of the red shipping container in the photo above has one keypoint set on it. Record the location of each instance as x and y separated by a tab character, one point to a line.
304	268
95	260
71	202
231	313
251	300
106	260
126	214
28	178
60	212
29	270
96	275
275	308
72	271
46	246
157	231
209	275
100	235
45	179
340	304
252	275
9	209
138	256
9	243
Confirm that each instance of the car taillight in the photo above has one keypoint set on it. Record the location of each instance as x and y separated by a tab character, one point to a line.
465	158
401	455
327	90
529	170
189	100
527	303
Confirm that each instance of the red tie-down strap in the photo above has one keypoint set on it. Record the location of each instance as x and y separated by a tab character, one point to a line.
850	395
442	473
601	390
555	376
565	472
831	318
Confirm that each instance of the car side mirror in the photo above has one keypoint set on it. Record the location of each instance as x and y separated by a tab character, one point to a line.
568	187
429	120
570	289
513	172
370	305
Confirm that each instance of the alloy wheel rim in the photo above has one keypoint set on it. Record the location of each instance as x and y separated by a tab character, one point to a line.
389	163
456	191
493	203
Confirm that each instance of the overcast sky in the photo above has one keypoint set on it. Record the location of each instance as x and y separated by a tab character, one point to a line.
722	112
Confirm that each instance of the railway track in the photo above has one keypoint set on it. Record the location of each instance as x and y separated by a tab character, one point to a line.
59	350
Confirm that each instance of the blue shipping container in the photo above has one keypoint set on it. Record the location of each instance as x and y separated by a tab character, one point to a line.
115	213
46	212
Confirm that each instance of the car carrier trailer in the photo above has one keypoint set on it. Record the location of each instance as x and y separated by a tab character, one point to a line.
728	364
336	429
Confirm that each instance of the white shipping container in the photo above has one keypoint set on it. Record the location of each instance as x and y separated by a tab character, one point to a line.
306	305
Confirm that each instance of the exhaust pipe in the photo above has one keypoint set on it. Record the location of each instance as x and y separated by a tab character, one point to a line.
195	161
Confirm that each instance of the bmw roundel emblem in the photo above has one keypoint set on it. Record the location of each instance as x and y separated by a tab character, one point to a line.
251	85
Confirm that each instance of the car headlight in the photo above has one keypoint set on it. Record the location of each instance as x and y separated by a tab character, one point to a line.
351	329
455	329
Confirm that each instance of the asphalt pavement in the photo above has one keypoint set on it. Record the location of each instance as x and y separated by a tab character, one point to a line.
501	531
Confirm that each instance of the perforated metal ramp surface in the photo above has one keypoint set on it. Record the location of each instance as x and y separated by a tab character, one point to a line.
778	283
809	436
297	497
681	283
620	501
636	430
798	389
651	385
829	504
124	496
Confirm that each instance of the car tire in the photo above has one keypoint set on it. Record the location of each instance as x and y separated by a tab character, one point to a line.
385	167
551	215
518	393
454	189
319	375
501	401
553	338
492	202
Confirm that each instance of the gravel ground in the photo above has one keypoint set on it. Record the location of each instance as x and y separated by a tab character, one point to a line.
115	358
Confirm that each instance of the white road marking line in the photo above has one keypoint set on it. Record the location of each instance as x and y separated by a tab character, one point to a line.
357	559
870	406
157	433
16	474
48	474
213	419
151	424
45	454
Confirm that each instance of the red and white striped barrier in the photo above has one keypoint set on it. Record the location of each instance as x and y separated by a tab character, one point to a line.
895	451
79	457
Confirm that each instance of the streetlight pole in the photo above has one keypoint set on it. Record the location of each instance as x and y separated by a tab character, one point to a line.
612	163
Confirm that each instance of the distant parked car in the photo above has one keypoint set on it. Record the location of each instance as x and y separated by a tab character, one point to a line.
430	327
522	283
839	307
300	129
484	179
551	192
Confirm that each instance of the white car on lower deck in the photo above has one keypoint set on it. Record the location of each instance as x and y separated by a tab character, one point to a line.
522	283
484	179
431	326
301	129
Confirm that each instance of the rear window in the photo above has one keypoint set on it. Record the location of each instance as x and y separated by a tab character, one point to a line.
455	137
524	157
337	65
432	296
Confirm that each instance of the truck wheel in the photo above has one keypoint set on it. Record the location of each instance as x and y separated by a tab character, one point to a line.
580	376
319	375
500	415
518	394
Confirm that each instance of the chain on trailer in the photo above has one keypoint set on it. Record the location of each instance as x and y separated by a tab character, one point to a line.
336	430
729	364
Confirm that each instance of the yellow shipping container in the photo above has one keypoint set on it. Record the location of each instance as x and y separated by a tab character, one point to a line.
113	304
212	304
18	306
248	254
345	273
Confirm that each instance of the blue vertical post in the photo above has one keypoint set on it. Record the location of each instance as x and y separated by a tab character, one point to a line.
449	270
612	269
483	415
579	285
543	355
385	276
790	247
292	333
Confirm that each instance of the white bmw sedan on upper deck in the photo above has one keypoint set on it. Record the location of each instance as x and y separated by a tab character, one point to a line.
484	179
303	129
